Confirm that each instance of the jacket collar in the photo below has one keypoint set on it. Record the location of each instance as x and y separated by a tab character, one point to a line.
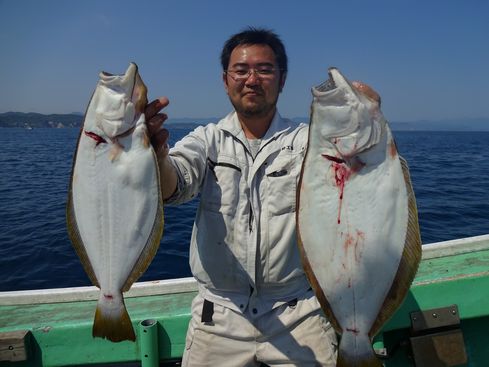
232	125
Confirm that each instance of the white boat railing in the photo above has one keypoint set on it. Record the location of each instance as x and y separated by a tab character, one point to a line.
182	285
77	294
455	247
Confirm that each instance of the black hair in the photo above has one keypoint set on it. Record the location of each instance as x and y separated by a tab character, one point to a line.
255	36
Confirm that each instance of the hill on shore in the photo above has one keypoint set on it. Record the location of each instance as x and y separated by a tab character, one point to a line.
38	120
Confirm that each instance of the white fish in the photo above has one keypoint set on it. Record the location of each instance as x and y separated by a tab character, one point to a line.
114	210
357	220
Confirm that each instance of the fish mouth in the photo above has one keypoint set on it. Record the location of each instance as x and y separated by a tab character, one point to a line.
336	80
125	81
129	83
329	84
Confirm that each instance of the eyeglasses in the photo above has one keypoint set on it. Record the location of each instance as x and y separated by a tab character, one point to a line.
262	73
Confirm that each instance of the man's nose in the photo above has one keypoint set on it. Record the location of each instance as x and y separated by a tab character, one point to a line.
253	78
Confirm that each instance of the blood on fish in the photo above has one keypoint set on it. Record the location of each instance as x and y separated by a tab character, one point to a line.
361	234
341	174
352	241
109	296
95	137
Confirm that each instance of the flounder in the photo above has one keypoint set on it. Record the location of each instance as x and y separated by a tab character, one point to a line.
357	220
114	209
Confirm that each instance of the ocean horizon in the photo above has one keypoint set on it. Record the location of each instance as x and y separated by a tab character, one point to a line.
38	120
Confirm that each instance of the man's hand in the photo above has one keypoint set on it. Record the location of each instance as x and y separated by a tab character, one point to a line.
159	140
154	122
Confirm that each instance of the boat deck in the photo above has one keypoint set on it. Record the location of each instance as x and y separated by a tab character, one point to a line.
57	323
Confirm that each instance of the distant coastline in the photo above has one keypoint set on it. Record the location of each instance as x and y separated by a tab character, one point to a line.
38	120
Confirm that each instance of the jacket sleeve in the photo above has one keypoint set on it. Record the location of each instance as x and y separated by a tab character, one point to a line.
189	157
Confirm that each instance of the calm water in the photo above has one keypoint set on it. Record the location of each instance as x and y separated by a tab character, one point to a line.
449	171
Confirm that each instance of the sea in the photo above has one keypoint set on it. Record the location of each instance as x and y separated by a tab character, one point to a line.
449	171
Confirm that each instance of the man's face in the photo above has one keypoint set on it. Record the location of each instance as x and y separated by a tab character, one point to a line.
256	93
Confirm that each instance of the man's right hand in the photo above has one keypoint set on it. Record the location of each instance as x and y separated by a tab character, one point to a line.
154	122
159	140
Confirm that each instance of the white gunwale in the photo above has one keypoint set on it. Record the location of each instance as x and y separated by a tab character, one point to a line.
77	294
183	285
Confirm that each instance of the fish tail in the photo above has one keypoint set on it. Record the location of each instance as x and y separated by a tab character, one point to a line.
112	320
356	351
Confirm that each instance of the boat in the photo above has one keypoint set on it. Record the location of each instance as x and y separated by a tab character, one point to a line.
442	322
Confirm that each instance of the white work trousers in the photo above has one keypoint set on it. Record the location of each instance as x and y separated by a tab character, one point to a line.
294	334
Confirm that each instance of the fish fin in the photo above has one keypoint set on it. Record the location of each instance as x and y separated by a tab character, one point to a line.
153	242
76	239
112	321
410	259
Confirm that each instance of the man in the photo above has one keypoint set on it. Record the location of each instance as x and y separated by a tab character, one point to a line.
254	304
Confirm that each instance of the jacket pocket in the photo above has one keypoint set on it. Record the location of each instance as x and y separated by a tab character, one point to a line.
281	177
220	191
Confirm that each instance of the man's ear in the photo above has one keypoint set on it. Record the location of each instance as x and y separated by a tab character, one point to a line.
282	81
225	80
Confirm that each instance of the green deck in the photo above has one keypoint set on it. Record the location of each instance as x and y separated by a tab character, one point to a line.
461	279
60	333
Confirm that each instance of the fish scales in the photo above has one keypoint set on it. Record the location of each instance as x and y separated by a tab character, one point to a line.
114	209
357	222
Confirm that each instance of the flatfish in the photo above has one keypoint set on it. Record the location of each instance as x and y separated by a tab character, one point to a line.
357	220
114	210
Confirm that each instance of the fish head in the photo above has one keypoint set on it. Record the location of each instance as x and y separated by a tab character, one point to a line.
348	118
119	101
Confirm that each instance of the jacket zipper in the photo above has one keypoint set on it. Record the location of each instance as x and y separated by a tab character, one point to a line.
212	165
250	219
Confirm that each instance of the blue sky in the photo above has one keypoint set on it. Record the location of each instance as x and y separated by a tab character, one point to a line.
427	59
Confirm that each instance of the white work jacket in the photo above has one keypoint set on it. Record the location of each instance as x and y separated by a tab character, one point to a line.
243	250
